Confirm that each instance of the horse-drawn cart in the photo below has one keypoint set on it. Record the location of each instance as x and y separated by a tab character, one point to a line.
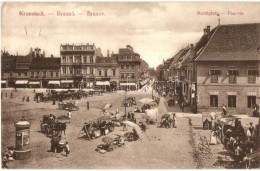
68	106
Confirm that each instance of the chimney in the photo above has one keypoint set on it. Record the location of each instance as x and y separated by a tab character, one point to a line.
205	31
108	53
191	45
51	55
43	54
40	55
112	53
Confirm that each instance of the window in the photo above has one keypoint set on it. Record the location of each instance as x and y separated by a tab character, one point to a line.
214	75
25	73
64	59
232	76
127	66
77	59
51	73
78	72
133	67
57	74
32	74
99	73
85	59
43	74
70	59
251	101
19	74
232	101
122	76
64	70
129	57
105	73
91	70
213	101
114	72
122	66
37	73
91	59
11	74
133	76
71	71
252	74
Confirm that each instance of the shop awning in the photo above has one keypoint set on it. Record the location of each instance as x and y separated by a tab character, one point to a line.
21	82
143	82
34	82
127	84
54	82
66	81
3	81
102	83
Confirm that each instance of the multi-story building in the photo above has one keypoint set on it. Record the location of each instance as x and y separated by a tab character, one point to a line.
228	69
130	68
7	69
77	65
45	72
107	74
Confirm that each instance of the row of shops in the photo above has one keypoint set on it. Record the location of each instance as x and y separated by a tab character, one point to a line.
104	85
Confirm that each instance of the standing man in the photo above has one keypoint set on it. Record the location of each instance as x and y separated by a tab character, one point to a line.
11	95
67	149
69	115
224	110
87	105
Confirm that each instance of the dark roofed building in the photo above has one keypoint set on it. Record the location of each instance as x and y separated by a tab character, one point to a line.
45	72
228	69
233	43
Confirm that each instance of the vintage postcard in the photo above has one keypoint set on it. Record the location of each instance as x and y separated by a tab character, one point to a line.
130	85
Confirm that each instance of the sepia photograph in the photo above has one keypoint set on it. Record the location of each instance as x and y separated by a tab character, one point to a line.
130	85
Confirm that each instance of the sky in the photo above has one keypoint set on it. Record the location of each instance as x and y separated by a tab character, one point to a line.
156	30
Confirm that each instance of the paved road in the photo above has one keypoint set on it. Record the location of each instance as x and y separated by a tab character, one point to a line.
167	148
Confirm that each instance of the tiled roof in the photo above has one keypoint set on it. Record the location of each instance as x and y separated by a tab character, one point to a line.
45	63
23	59
106	60
233	43
8	62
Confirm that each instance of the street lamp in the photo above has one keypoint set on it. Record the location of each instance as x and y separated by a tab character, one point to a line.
87	80
126	92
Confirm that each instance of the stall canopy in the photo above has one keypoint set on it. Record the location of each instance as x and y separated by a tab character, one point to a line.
127	84
34	82
102	83
54	82
66	81
143	82
3	81
21	82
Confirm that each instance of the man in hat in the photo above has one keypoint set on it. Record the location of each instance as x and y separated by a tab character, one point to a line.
4	161
87	105
67	148
224	108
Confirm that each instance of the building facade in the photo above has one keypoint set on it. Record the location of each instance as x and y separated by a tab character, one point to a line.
78	64
228	69
107	73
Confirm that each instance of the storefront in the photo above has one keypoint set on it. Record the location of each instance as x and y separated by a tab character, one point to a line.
128	86
34	84
21	83
67	83
3	83
54	84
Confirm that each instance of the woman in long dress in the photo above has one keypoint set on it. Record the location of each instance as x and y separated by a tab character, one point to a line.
213	138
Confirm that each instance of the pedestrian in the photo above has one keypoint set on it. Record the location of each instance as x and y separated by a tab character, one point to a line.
53	102
69	115
23	98
4	161
28	99
6	94
87	105
67	149
224	108
11	95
